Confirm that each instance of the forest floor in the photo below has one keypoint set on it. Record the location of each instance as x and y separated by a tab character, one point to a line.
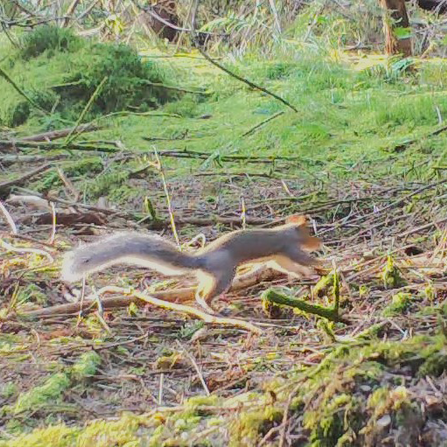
364	157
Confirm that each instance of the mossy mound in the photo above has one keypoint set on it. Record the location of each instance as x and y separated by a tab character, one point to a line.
366	393
371	393
63	74
47	38
123	79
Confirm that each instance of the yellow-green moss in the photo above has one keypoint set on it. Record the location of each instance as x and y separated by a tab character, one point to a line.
391	275
55	436
86	365
250	427
324	287
120	433
117	433
399	304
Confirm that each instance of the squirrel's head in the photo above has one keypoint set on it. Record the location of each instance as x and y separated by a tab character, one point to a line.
307	241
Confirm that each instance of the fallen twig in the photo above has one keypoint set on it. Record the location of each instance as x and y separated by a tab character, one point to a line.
211	319
8	218
66	219
198	222
177	295
20	91
157	224
10	159
185	309
6	186
245	81
257	126
56	134
36	251
55	146
404	145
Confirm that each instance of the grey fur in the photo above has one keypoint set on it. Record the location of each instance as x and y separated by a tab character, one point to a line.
134	248
219	260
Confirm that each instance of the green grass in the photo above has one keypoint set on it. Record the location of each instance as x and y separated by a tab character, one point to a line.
344	115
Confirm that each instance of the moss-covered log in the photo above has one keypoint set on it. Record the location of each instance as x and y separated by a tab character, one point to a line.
330	313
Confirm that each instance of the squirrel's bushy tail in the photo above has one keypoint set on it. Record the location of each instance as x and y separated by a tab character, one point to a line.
131	248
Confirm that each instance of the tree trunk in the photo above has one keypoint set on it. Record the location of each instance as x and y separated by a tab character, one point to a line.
167	11
433	5
396	24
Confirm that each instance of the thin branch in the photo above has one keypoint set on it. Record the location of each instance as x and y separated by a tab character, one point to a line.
6	186
20	91
72	135
55	134
36	251
244	80
168	198
211	319
257	126
70	10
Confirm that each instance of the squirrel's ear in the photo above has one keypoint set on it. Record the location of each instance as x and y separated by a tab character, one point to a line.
297	219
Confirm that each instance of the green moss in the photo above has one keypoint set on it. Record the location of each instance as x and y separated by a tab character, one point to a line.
430	292
373	332
250	427
15	112
111	183
50	391
391	275
129	81
197	401
60	72
117	433
343	397
86	166
55	436
324	286
331	313
334	420
435	363
86	365
399	304
187	107
120	433
396	407
8	389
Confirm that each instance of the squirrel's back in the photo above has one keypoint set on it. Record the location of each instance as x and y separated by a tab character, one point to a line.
248	245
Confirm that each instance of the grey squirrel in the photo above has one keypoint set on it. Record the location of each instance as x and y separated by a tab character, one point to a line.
282	247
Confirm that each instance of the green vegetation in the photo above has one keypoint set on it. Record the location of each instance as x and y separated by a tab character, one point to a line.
51	390
50	40
344	115
356	404
60	73
365	157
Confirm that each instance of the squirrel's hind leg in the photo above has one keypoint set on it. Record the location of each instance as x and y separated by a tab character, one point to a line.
211	286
